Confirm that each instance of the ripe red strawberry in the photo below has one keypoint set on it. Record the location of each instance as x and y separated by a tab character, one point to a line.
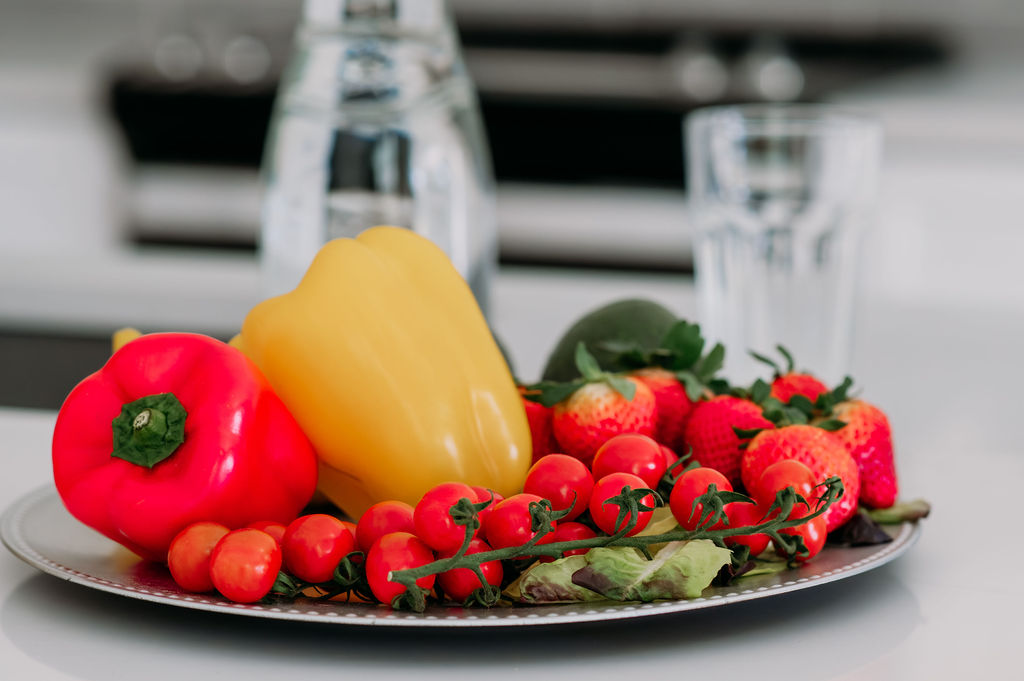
787	382
868	438
596	412
673	405
786	386
710	433
539	418
816	448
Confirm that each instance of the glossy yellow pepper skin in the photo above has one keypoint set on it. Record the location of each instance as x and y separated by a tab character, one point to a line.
384	358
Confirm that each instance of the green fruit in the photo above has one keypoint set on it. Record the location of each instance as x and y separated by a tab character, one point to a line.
643	322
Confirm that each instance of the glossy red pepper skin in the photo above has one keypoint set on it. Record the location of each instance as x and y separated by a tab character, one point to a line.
243	459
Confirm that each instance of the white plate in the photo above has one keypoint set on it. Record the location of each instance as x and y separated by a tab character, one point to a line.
39	530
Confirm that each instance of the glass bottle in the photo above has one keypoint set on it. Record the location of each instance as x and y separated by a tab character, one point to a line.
376	122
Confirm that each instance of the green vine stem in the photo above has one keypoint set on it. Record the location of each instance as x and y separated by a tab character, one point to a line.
349	578
713	502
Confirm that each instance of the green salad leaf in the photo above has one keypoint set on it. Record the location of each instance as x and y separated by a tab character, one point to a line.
681	569
552	583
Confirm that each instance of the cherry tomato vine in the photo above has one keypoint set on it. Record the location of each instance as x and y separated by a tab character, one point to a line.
349	577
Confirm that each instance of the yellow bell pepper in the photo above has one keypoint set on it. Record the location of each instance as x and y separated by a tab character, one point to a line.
384	358
123	336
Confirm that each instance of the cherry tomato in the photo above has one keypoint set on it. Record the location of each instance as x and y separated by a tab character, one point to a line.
396	551
271	527
779	476
509	523
814	533
563	480
351	527
630	453
570	531
314	545
460	583
670	458
605	514
484	494
690	485
244	564
382	518
433	523
741	514
189	555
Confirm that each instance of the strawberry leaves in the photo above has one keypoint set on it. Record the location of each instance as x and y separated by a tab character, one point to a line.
683	344
586	363
620	385
681	351
827	402
550	393
701	376
776	368
592	373
799	410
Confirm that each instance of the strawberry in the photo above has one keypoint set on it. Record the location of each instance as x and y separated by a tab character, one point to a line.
597	411
595	407
818	449
673	405
784	387
539	418
710	435
787	382
868	438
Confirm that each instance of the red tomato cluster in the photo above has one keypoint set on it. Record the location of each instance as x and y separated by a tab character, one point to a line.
775	478
629	459
243	564
401	537
639	461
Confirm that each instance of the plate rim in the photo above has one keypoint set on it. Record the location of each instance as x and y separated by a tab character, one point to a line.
13	537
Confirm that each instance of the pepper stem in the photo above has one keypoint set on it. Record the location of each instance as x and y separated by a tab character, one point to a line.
149	429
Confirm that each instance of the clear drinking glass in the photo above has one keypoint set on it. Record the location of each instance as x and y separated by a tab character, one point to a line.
780	197
376	122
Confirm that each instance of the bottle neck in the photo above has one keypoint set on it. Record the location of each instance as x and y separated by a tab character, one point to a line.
372	52
380	17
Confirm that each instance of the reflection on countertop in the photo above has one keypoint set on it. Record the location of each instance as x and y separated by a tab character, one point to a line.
223	644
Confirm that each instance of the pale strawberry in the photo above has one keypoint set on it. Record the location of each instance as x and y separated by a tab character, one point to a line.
596	412
673	406
541	434
711	436
816	448
867	436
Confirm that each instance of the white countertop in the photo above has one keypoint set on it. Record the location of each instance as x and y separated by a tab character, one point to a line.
948	609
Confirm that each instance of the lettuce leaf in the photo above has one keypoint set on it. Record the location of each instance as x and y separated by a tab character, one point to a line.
681	569
902	511
552	583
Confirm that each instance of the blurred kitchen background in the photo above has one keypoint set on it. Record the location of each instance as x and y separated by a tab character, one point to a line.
131	134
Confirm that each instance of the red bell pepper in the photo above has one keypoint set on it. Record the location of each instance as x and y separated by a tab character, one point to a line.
177	428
